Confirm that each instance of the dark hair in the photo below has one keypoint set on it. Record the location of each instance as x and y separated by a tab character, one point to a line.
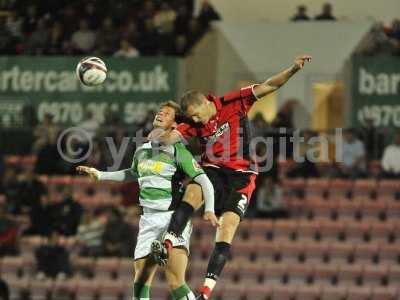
190	98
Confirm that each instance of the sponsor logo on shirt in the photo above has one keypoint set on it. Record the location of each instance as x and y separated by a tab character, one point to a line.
220	131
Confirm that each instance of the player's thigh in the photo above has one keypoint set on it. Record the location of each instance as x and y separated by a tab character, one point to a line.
176	268
229	222
193	195
145	269
238	198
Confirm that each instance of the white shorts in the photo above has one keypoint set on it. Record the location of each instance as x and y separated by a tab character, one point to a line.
153	226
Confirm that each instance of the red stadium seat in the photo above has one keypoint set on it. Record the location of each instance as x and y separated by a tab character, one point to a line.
309	293
350	210
393	210
364	188
382	232
356	232
374	211
285	230
275	274
341	188
300	274
350	274
269	252
341	252
88	289
11	267
325	274
394	276
322	209
243	249
261	229
106	267
17	287
65	288
250	273
359	293
388	188
375	275
331	231
390	254
384	293
334	293
280	292
114	290
40	289
317	252
317	187
258	292
232	291
308	230
83	265
366	253
244	230
125	269
292	252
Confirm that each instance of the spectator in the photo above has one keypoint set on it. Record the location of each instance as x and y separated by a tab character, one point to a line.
53	259
4	290
10	187
107	38
57	35
259	125
90	233
149	42
303	151
49	161
31	190
130	32
83	40
8	234
164	19
353	165
126	50
394	36
118	238
66	213
182	20
92	15
31	18
91	125
301	14
180	46
6	38
39	39
208	14
43	132
41	217
14	24
326	14
194	33
391	159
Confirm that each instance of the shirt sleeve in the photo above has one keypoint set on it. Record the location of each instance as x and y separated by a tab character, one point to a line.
244	95
186	161
186	131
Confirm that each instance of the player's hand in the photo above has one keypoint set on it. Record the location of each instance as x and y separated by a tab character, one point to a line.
212	218
299	61
155	134
91	172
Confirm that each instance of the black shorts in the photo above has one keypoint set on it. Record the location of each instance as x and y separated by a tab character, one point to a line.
233	189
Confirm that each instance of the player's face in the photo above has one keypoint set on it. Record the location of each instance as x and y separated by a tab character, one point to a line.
165	118
198	113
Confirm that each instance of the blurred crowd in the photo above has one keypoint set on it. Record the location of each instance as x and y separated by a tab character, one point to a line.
124	29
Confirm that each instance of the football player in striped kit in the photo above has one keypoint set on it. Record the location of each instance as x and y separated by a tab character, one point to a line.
159	171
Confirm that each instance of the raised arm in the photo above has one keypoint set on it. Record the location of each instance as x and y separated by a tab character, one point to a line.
122	175
275	82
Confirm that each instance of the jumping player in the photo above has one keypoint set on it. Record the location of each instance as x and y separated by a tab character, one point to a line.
222	126
159	170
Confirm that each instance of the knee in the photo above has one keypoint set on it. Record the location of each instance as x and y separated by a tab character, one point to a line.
193	195
174	281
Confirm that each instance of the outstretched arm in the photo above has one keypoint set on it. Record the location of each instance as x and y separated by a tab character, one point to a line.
122	175
166	137
276	81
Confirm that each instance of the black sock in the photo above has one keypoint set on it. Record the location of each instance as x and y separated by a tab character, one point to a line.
217	260
179	218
